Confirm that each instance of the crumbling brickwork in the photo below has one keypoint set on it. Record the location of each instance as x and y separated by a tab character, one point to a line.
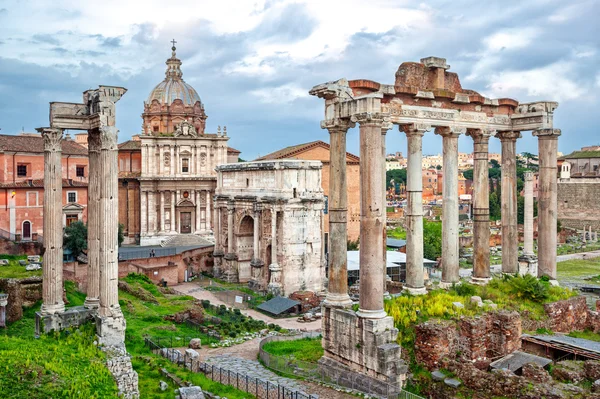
568	315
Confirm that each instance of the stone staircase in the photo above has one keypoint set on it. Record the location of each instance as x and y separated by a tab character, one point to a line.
184	240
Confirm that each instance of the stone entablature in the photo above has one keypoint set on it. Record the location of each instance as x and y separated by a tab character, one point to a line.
268	225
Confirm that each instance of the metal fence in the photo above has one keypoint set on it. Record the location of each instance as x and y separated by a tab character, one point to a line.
311	371
262	389
145	253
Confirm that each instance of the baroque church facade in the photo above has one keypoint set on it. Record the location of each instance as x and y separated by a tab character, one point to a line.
176	172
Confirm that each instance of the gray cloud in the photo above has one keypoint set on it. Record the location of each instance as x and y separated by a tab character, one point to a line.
45	38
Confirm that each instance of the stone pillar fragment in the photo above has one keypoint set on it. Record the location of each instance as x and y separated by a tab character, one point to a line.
143	213
52	286
92	300
371	216
337	294
547	201
198	211
3	303
450	264
207	217
162	211
414	213
481	205
510	234
528	215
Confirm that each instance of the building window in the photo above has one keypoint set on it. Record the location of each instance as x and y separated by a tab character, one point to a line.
71	219
185	165
72	196
22	170
155	129
80	171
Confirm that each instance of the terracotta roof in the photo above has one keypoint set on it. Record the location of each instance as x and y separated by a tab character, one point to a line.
291	151
231	150
131	145
35	144
39	183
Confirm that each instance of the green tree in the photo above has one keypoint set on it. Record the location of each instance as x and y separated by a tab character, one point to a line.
75	238
241	160
120	235
398	175
432	239
468	174
495	164
495	208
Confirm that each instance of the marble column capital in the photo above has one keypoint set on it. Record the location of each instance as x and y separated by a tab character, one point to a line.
369	118
415	129
52	139
509	135
337	125
551	134
450	131
481	135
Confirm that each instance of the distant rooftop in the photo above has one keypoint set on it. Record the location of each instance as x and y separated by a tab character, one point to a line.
34	143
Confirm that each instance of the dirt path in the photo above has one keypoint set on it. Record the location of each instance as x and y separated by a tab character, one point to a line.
292	323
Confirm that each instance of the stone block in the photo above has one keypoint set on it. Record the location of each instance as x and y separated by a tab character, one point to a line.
476	299
33	266
33	258
23	262
195	343
458	305
191	393
191	354
71	317
438	376
3	262
163	386
452	382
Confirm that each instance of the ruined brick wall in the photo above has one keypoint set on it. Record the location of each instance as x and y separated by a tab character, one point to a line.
435	340
578	204
568	315
21	292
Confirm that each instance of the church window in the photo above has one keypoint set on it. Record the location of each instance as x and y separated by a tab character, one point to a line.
185	165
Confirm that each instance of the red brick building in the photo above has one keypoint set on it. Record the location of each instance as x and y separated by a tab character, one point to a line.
22	185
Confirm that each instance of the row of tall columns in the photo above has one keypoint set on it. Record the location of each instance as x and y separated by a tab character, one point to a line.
52	284
481	206
547	200
510	234
150	223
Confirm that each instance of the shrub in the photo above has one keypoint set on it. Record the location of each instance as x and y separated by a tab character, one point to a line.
464	289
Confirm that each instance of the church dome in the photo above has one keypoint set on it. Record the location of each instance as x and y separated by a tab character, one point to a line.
173	87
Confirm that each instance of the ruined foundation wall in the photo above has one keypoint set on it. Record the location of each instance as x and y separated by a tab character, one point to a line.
578	205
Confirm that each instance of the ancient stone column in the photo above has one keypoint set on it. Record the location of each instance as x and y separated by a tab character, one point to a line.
173	231
371	216
337	295
172	161
450	264
52	285
256	252
414	212
162	211
109	224
384	128
161	163
3	303
528	216
274	286
198	211
547	201
92	300
151	213
510	233
481	205
207	217
230	227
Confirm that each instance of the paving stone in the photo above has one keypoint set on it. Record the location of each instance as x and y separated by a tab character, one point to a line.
451	382
438	376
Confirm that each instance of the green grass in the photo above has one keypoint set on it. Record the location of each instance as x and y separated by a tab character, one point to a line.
305	349
14	270
587	334
565	249
398	233
578	270
53	366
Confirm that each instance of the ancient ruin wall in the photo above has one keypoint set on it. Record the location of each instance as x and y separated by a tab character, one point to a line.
578	205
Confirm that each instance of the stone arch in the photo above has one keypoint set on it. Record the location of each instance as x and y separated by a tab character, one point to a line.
244	240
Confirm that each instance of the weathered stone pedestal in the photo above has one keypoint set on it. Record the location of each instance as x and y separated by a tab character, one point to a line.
71	317
110	330
218	262
528	264
229	272
361	353
3	303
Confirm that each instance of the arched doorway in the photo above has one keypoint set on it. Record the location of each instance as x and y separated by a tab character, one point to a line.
26	232
245	248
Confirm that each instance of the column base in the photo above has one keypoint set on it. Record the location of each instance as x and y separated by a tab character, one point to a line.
448	284
257	263
333	300
91	303
75	316
362	353
47	310
415	291
480	280
110	330
371	314
554	283
528	264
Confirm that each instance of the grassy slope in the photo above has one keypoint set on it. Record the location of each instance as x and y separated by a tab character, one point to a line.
306	349
578	270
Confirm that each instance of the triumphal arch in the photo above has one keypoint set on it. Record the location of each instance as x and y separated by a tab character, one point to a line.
424	97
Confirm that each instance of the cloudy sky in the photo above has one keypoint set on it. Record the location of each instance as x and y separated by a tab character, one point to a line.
253	61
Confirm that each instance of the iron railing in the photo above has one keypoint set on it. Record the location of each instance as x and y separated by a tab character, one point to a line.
145	253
